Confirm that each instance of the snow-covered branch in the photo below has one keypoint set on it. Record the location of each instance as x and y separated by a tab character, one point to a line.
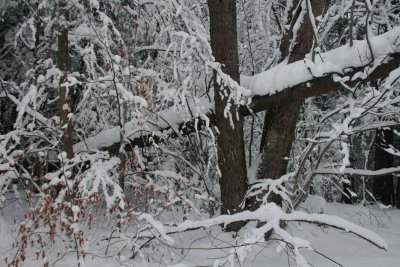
350	171
303	79
273	87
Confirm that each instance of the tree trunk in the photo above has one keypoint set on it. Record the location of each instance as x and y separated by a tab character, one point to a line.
396	162
280	123
383	186
231	156
66	144
398	193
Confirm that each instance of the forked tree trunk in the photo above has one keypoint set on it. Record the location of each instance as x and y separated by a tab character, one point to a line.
66	144
280	123
231	156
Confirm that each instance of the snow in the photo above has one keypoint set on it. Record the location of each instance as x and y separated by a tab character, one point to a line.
314	204
312	240
252	170
143	2
83	30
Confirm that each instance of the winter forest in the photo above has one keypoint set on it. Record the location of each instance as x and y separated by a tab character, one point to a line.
199	133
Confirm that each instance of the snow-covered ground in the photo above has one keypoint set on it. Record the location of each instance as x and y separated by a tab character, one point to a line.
338	247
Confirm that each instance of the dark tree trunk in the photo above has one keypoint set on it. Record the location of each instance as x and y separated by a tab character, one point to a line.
40	27
383	186
231	156
398	193
280	123
66	144
396	162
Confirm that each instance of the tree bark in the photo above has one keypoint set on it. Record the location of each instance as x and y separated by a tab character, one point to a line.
398	193
383	186
231	156
66	144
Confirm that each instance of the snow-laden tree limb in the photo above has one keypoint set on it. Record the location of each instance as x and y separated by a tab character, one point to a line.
340	61
350	171
332	70
343	65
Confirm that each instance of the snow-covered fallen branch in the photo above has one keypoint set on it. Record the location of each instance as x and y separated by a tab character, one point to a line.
273	215
270	217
